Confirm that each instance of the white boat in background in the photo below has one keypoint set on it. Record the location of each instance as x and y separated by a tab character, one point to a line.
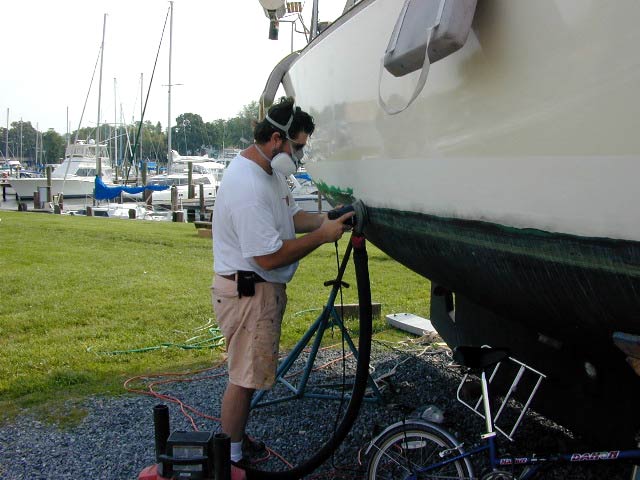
11	170
205	171
510	179
228	154
126	210
306	194
74	177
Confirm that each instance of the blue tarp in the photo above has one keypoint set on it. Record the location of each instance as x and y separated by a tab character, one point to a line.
102	192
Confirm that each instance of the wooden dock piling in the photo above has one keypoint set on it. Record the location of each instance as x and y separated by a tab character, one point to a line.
49	183
202	202
191	189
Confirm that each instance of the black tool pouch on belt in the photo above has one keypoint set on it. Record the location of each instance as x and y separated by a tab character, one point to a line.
246	284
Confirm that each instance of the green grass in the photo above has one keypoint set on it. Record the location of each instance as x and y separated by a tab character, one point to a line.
73	287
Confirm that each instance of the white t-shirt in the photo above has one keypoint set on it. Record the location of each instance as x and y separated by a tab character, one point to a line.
253	214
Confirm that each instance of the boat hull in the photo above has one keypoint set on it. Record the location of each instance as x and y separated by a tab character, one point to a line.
70	188
163	197
311	204
511	181
555	300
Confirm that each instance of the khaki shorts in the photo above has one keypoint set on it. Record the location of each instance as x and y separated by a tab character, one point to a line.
251	327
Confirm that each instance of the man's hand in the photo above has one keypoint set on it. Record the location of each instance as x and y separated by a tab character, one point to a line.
332	230
294	249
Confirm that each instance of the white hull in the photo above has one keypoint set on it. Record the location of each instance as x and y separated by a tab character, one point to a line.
511	181
70	188
130	210
309	203
74	177
531	124
164	197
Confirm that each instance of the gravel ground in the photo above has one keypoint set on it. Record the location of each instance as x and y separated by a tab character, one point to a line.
115	440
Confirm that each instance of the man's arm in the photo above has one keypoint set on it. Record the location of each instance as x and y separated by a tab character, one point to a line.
293	250
306	222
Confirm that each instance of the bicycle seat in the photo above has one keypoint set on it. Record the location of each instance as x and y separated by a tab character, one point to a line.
479	357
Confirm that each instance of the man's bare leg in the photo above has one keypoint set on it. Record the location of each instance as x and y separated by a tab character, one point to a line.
236	403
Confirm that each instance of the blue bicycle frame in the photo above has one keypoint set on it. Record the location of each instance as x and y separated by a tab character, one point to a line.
534	462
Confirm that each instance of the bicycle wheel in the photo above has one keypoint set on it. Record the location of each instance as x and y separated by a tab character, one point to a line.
406	449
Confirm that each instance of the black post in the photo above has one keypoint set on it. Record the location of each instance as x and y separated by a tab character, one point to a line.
203	204
221	456
161	428
191	192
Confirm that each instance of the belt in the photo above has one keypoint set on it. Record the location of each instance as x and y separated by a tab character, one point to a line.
256	278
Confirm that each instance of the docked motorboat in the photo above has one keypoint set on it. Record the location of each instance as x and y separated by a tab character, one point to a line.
126	210
204	172
75	176
306	194
502	166
228	154
10	170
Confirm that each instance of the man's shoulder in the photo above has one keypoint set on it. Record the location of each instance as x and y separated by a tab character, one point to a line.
241	187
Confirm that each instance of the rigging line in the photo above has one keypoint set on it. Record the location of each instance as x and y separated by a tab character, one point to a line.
84	107
126	163
126	132
123	122
135	147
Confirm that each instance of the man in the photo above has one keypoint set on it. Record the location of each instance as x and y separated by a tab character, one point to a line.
256	253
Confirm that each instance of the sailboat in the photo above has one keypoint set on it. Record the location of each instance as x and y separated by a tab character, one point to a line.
503	166
83	161
204	171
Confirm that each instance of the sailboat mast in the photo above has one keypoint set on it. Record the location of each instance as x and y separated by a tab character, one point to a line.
68	135
115	123
6	138
37	135
141	114
169	154
98	162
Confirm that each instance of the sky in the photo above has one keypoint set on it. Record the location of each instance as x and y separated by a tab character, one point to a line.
221	56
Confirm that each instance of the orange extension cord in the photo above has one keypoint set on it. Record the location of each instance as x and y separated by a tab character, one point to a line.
338	473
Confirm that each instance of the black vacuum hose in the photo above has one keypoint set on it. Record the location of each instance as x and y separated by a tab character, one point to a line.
360	261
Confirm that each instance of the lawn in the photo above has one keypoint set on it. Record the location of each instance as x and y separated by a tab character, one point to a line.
77	289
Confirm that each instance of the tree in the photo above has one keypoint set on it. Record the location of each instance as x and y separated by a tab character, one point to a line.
22	142
217	133
154	141
250	112
84	133
3	143
189	134
53	146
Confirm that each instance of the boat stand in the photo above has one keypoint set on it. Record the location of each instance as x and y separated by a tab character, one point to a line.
328	318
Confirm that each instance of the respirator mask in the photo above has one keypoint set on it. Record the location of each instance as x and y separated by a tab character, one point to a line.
283	162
